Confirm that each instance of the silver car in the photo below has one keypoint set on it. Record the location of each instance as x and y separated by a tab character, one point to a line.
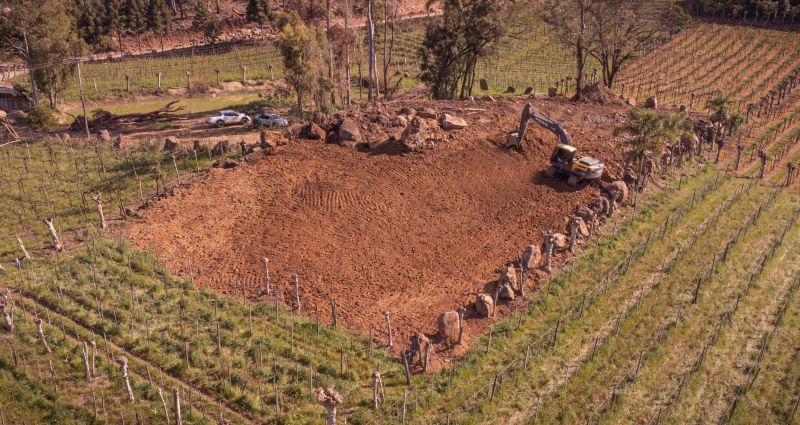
272	120
227	117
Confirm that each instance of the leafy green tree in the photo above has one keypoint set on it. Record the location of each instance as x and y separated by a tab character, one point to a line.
725	119
135	16
258	11
722	107
301	48
115	20
42	34
206	22
91	22
450	50
646	132
159	19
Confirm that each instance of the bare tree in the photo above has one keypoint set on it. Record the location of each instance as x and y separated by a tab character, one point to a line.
373	71
569	20
626	29
390	10
330	46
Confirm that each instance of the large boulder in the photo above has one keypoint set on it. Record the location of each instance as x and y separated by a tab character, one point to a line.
651	102
561	242
448	326
270	139
222	147
531	257
171	144
104	135
506	293
349	131
427	113
400	121
583	229
415	136
552	92
312	131
200	146
618	189
508	276
585	213
407	111
484	305
451	122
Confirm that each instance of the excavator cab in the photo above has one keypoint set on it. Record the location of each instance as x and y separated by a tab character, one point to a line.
563	155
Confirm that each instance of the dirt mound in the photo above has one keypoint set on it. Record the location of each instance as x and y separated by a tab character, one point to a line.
599	94
416	234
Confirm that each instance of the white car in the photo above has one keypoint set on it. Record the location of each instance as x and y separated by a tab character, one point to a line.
272	120
223	118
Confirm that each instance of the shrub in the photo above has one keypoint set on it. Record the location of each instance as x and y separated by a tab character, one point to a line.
42	117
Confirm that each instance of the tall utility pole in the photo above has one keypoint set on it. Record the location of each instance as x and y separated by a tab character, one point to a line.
83	102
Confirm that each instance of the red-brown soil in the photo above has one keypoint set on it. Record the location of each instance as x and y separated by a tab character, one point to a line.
414	234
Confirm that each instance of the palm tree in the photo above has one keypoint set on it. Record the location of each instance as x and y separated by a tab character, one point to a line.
647	131
727	122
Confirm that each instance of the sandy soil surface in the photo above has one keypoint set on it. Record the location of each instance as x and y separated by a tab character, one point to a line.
414	234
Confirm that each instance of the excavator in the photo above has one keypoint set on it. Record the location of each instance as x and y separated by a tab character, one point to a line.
565	159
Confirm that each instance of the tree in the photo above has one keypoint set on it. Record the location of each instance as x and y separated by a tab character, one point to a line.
159	19
373	65
115	21
258	11
569	22
91	22
42	34
647	131
206	22
390	11
451	50
727	122
301	48
626	29
135	16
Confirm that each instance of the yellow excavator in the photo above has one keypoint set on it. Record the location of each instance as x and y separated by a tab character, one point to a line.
565	159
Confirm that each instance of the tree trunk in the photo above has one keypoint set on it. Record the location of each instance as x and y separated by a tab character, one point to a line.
372	62
580	51
299	101
348	77
330	47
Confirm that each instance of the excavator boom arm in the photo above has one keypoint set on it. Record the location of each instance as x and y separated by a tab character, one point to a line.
544	121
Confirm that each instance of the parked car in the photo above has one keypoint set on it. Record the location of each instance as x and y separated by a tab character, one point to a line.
223	118
272	120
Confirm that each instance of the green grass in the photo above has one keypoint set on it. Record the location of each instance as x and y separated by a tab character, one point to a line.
189	105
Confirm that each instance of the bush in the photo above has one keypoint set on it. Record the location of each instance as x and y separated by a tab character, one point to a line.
42	117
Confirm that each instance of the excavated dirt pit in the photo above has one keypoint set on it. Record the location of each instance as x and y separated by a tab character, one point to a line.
414	234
